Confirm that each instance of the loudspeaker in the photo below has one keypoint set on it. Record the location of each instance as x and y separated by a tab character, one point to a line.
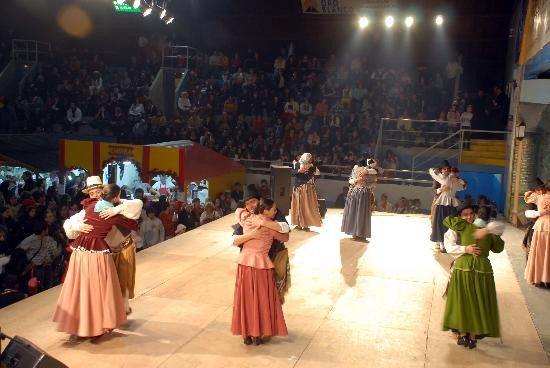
322	206
281	187
21	353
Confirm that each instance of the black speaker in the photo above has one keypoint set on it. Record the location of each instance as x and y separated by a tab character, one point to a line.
21	353
322	206
281	187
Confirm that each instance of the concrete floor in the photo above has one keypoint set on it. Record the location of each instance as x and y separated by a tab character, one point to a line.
350	305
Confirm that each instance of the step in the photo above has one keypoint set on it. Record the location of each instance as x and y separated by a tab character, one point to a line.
480	147
484	154
484	161
490	142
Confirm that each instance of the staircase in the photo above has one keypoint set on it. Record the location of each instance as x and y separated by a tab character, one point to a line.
487	152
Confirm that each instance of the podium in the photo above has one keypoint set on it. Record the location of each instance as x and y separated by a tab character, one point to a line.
281	187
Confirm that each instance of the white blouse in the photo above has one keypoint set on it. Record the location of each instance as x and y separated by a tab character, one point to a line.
447	198
369	174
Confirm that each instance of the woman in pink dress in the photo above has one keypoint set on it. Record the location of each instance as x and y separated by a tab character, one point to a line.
537	271
91	303
257	310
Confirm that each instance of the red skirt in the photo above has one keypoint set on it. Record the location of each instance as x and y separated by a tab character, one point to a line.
257	308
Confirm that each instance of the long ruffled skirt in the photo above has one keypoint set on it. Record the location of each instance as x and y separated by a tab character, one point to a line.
304	210
538	262
257	308
90	301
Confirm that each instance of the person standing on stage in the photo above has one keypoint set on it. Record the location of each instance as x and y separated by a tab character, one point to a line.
471	309
360	200
304	207
537	271
90	303
257	310
278	253
532	214
446	202
125	259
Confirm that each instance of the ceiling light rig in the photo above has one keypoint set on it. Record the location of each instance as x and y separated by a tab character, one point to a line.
148	6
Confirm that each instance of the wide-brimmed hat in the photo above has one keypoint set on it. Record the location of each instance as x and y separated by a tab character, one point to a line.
92	182
535	183
465	205
251	192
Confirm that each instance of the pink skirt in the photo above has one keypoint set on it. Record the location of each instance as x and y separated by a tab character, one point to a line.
257	308
304	208
90	301
538	263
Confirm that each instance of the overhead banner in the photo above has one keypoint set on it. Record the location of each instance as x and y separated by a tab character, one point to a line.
536	31
342	7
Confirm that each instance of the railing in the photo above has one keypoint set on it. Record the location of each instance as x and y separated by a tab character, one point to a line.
342	172
180	57
455	149
29	51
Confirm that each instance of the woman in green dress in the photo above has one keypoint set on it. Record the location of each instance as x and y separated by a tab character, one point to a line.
472	309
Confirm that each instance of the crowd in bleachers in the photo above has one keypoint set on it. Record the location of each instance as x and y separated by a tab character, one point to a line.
33	241
245	105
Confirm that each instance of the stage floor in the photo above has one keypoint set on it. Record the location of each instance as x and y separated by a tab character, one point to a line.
350	305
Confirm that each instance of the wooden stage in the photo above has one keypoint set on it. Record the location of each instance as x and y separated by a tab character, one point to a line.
350	305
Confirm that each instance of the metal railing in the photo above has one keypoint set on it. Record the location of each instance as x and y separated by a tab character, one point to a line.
454	149
342	172
29	51
182	57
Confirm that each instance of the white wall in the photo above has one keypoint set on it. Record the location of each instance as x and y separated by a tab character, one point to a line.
536	91
329	189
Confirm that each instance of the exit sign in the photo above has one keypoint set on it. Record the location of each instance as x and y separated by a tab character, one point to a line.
125	8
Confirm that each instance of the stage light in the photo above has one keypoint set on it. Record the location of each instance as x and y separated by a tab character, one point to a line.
439	20
363	22
170	20
409	21
137	3
162	13
147	12
389	21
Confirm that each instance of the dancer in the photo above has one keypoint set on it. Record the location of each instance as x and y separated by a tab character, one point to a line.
90	303
532	214
360	200
537	271
471	309
436	190
125	258
446	202
257	310
304	205
278	252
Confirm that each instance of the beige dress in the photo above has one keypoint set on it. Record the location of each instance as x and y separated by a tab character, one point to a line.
538	263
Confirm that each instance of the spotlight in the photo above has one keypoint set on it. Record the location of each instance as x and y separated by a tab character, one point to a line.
389	21
409	21
162	13
170	20
363	22
137	3
439	20
147	12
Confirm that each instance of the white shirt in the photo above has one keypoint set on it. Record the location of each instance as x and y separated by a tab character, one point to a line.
127	208
74	116
136	110
151	231
449	242
466	119
447	198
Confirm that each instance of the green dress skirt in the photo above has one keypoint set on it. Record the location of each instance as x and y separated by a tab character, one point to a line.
471	297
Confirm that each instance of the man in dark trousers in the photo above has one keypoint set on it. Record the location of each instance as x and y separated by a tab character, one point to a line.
435	189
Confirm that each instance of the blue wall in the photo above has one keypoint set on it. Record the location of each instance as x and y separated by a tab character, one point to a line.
488	184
